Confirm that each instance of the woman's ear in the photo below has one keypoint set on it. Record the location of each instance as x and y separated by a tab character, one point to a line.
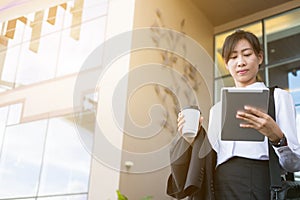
260	58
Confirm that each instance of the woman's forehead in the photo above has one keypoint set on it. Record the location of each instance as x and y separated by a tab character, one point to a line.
242	44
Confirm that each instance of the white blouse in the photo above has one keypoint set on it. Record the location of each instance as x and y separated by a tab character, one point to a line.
289	156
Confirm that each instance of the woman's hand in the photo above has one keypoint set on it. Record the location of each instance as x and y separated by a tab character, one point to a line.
180	124
264	123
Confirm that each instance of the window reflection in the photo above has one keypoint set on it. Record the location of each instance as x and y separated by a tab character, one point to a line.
51	157
9	59
3	119
222	82
43	63
73	53
14	114
21	159
284	75
51	42
66	161
282	33
29	165
94	9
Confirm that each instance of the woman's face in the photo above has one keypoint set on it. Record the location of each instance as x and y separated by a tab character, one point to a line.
243	64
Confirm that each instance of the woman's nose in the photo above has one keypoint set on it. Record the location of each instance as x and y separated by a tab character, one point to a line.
241	62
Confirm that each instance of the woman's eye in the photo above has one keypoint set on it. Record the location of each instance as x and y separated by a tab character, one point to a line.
233	57
248	53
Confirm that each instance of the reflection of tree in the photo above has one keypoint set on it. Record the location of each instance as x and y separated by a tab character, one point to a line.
174	64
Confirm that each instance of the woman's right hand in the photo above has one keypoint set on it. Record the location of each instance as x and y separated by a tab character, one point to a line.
180	124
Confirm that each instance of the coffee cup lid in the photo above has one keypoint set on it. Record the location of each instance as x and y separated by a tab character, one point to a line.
191	107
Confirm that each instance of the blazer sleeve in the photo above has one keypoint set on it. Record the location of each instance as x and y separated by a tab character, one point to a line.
180	156
191	166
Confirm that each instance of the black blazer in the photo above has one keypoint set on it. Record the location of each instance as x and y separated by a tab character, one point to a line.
192	169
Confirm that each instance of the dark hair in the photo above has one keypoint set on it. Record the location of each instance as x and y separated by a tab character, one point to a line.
233	39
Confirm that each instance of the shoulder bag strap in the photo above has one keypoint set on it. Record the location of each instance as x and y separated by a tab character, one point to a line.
274	166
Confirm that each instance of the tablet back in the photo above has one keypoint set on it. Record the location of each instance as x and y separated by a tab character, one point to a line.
234	99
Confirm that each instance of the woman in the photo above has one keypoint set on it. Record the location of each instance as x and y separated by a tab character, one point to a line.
242	170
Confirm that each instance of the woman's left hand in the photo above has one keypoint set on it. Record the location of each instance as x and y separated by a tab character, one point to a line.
264	123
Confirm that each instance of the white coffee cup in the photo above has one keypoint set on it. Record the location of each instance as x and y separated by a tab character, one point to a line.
191	116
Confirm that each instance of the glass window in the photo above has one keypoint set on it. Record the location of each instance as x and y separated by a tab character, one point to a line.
51	42
73	53
66	161
222	82
283	36
21	159
42	61
281	75
87	34
29	165
14	114
9	61
3	119
94	9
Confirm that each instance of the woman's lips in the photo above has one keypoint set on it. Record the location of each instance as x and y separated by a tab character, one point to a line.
242	72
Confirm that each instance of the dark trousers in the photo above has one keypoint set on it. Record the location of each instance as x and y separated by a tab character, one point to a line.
242	179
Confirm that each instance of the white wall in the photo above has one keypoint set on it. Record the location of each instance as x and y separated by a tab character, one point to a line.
104	180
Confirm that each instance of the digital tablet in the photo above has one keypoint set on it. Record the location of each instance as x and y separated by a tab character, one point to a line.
234	99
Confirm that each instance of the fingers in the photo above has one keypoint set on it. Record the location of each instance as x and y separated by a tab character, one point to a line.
251	115
180	122
254	118
262	122
254	111
250	119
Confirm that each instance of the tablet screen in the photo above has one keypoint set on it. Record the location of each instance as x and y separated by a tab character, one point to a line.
234	99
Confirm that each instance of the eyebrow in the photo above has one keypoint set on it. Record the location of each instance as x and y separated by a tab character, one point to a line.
243	50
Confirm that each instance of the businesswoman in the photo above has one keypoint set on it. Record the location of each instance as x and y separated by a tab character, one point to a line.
241	170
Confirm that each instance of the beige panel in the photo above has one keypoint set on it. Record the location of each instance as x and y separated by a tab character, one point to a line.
11	27
59	98
52	15
76	12
36	26
3	41
181	16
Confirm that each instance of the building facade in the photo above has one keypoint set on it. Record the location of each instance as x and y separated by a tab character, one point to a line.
90	89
